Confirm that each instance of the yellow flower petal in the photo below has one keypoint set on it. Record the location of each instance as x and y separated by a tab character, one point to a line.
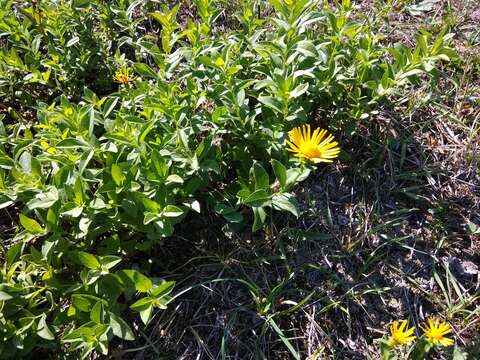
399	336
315	146
435	332
446	342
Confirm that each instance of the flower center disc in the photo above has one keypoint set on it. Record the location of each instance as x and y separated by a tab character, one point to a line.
436	334
310	150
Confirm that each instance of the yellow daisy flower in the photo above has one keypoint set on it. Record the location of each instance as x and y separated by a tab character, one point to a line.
400	336
435	332
122	76
316	147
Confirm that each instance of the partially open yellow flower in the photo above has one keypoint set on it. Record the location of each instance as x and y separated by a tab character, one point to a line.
317	147
400	336
122	76
435	332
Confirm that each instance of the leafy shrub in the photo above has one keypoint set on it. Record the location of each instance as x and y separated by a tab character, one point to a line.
57	47
198	123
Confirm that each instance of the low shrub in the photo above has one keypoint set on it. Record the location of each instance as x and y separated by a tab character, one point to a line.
144	129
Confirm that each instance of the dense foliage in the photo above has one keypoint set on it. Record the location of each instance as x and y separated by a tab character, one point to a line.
195	121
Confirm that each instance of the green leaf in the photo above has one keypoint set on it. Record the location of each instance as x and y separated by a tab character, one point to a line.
307	48
205	60
149	204
182	137
146	314
79	334
413	72
117	175
346	5
81	3
240	97
2	179
143	304
120	328
162	18
148	217
109	106
299	90
84	160
31	225
141	282
174	179
89	260
284	339
83	225
146	128
172	211
72	143
145	70
420	349
74	40
79	191
386	350
271	102
72	210
5	296
85	302
229	213
257	198
14	252
43	330
280	172
296	175
287	202
44	200
259	216
162	289
96	314
261	178
109	261
52	219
